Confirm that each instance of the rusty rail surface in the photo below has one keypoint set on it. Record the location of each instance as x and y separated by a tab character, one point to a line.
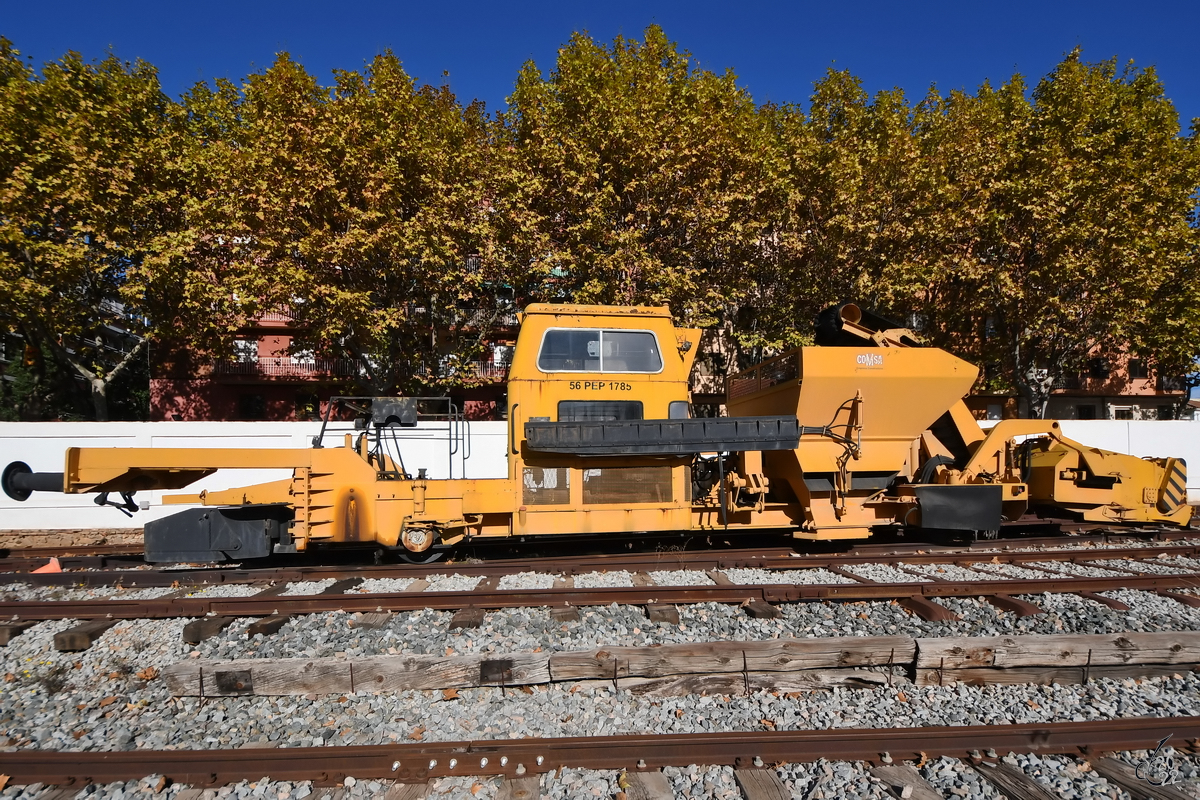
174	607
763	558
513	757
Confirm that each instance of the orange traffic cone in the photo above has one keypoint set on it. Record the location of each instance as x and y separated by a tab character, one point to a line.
52	566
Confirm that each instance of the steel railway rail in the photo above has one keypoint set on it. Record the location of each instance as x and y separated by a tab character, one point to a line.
110	557
517	757
919	595
772	559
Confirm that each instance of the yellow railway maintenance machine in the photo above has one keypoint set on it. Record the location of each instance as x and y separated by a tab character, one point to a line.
865	429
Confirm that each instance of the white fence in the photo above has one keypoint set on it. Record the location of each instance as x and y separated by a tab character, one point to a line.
1144	438
41	445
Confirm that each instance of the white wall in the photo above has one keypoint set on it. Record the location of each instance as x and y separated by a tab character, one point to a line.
1158	439
42	445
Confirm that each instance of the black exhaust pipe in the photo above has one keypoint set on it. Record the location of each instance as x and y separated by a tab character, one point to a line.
19	481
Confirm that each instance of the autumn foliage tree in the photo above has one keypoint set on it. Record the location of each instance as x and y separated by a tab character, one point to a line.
84	194
355	208
1028	230
1087	247
636	177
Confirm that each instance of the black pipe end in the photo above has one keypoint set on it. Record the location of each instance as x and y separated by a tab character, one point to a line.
19	482
9	479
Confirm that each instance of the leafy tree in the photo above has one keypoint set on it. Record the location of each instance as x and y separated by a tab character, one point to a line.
635	177
356	208
401	228
855	212
1087	231
79	207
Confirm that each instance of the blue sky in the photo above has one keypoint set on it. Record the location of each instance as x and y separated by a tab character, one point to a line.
777	49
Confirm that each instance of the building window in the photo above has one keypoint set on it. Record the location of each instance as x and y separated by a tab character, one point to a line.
304	358
252	407
1166	412
1137	370
995	411
1098	368
501	355
1166	384
245	351
1122	413
1085	412
307	407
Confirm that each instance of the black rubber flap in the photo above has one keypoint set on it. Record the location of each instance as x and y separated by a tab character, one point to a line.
656	437
968	507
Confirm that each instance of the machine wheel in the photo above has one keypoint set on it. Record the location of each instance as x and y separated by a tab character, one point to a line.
426	557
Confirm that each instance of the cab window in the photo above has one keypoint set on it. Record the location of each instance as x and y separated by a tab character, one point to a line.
575	350
599	410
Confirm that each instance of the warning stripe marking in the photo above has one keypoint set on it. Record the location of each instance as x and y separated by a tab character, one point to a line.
1174	493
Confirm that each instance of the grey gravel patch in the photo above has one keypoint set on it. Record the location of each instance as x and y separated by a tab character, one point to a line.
1152	612
25	592
382	585
1015	546
1185	768
1165	566
307	587
1077	569
703	781
1063	776
452	583
1015	571
228	590
952	572
573	784
1184	561
953	778
830	780
527	580
464	787
603	580
884	573
680	577
149	593
809	576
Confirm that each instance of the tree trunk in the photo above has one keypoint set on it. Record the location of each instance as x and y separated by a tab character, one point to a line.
100	398
99	385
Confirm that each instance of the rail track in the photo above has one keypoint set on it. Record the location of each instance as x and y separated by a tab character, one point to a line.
515	758
102	570
1143	567
771	594
125	557
1151	565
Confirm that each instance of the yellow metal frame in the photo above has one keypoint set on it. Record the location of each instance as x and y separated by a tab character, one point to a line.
868	413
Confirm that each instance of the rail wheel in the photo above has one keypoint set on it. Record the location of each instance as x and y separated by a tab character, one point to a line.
418	545
427	557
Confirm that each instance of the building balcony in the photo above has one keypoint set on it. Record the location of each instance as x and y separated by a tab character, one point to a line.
266	368
286	367
487	371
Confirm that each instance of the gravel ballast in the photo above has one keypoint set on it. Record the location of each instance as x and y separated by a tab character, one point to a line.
112	697
50	697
